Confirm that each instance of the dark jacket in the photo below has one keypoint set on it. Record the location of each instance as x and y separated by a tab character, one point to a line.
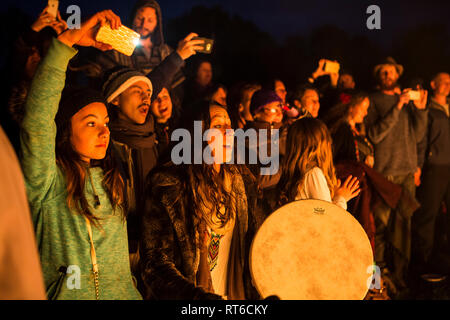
170	250
135	162
347	146
163	133
434	149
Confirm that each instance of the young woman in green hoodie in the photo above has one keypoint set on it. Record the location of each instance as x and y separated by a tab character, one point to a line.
73	186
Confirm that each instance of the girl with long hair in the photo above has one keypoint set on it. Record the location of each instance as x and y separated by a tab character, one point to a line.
194	231
75	190
308	171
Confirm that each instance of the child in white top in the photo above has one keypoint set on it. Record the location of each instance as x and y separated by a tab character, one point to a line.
308	171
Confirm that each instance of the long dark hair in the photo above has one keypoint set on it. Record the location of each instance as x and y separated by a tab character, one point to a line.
206	187
75	171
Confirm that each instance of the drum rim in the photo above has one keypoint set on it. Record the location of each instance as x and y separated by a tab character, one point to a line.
295	201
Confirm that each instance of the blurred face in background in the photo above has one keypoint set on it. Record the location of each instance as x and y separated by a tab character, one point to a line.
271	112
310	102
280	90
244	106
358	112
204	74
162	107
220	96
346	81
387	77
145	21
441	85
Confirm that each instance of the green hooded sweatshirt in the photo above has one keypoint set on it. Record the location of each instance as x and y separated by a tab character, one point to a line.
62	235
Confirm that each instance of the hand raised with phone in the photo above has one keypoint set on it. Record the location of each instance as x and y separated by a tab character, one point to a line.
421	102
327	67
188	47
85	36
45	19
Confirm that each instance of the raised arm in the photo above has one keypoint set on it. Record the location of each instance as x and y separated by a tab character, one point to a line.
420	115
379	127
38	132
39	129
162	76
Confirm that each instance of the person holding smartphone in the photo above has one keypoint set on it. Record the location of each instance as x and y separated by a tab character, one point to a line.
73	184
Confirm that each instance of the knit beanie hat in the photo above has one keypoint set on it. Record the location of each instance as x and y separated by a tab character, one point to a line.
261	98
73	99
119	79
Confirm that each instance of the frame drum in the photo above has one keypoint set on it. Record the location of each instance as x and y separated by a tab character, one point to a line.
311	249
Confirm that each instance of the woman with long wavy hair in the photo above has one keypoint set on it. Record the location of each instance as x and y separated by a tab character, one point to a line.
195	228
75	190
308	171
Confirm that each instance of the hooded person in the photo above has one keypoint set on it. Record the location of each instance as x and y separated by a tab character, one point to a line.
146	19
128	93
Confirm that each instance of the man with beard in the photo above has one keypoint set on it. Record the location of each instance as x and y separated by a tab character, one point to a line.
145	19
395	125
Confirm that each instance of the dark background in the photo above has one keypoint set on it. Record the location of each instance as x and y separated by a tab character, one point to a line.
255	39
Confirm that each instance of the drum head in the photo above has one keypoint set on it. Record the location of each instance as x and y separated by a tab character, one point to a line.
311	249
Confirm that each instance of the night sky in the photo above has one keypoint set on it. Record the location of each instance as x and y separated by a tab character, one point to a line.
284	17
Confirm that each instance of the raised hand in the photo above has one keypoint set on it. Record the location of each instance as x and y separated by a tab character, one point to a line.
59	25
44	20
349	189
319	71
422	102
403	99
187	47
85	36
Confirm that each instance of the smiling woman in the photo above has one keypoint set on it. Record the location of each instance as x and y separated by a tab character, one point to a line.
194	230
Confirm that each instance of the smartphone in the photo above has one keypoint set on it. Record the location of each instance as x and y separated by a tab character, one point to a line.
53	8
414	95
207	45
123	39
331	66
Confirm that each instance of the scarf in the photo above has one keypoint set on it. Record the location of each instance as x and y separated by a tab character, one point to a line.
138	136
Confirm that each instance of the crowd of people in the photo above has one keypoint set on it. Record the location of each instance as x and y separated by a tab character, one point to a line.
97	195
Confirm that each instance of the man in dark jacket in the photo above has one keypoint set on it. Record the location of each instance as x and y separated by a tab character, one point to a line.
133	140
395	125
434	155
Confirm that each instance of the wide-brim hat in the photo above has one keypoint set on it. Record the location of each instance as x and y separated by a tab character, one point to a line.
388	61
